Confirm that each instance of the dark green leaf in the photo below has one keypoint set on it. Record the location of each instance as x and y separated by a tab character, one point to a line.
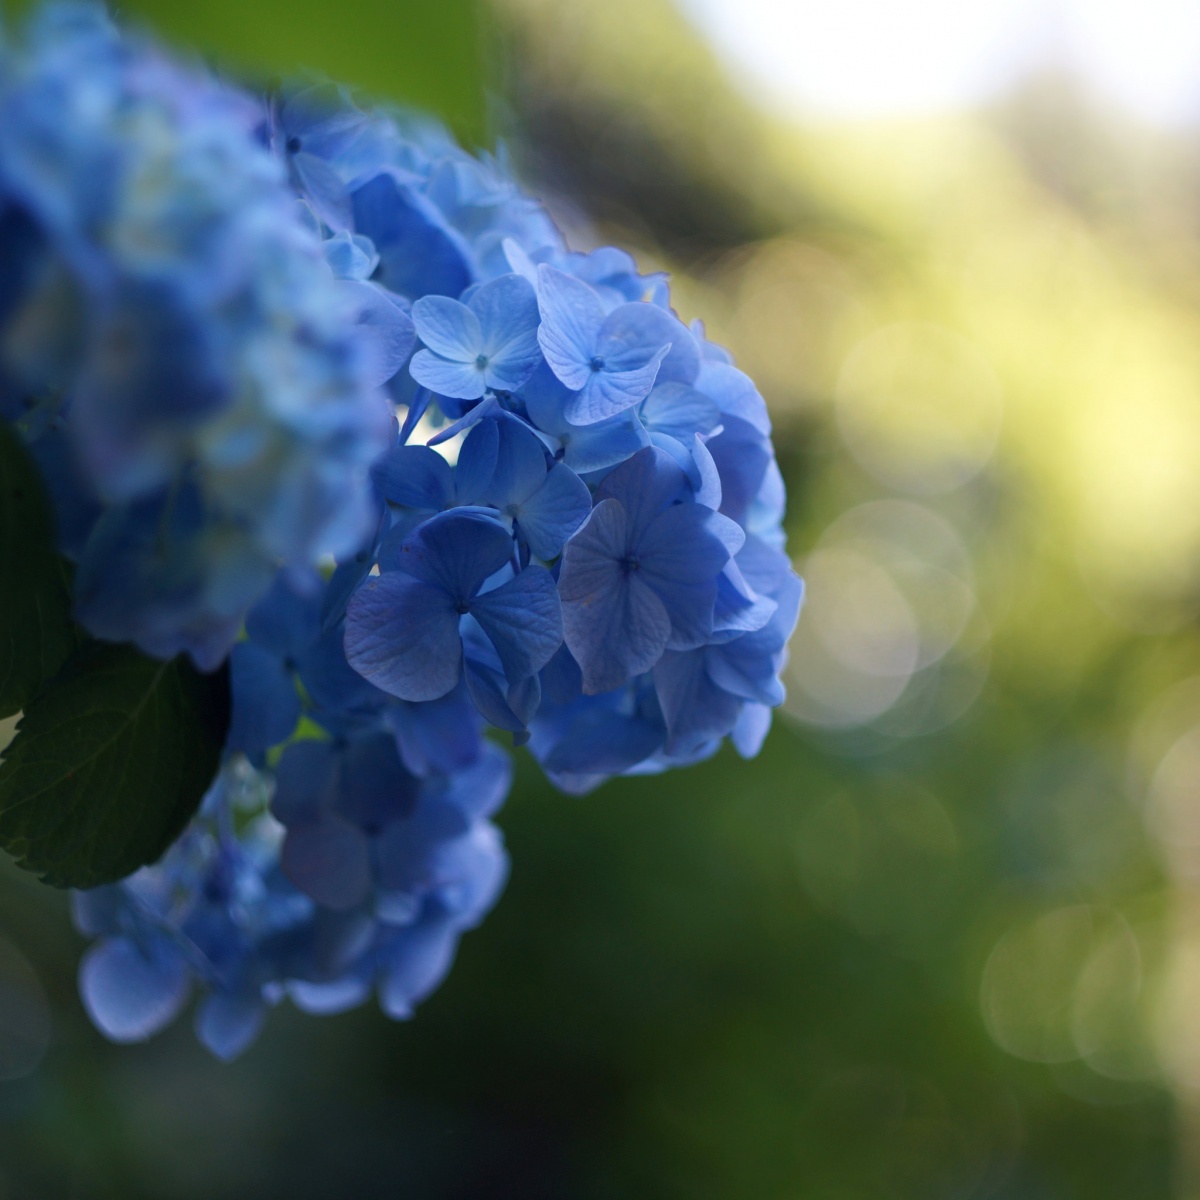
109	763
36	632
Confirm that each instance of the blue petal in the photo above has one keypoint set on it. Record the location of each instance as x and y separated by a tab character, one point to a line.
324	189
585	447
417	961
523	619
608	391
520	466
415	477
644	485
448	328
328	860
507	309
458	380
600	741
634	332
684	544
477	462
375	787
554	512
679	410
350	256
402	635
439	735
708	489
735	393
385	329
457	551
751	729
227	1022
696	709
304	780
418	255
572	316
613	623
488	690
482	788
131	993
324	999
606	444
266	705
742	455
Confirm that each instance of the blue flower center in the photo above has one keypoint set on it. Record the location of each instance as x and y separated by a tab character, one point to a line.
462	608
481	361
293	145
629	564
597	363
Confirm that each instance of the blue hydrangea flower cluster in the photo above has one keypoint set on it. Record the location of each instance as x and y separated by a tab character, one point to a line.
173	345
566	526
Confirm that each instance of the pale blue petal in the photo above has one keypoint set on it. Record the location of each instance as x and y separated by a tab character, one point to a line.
572	316
448	328
507	309
635	332
402	635
708	491
742	455
596	447
385	329
458	380
485	408
325	999
735	394
324	190
751	729
679	410
605	392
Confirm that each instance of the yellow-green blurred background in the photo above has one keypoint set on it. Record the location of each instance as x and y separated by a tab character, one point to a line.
942	940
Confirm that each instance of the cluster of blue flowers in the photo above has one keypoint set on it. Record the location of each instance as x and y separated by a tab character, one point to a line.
570	530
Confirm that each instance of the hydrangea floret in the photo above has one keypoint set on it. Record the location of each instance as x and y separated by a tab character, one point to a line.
324	400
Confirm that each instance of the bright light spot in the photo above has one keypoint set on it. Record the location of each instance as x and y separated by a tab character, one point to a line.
890	613
870	58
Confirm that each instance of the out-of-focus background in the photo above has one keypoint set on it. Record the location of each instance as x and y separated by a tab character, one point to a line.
942	940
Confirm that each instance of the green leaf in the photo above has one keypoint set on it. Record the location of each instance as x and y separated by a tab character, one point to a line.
109	763
422	52
36	632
